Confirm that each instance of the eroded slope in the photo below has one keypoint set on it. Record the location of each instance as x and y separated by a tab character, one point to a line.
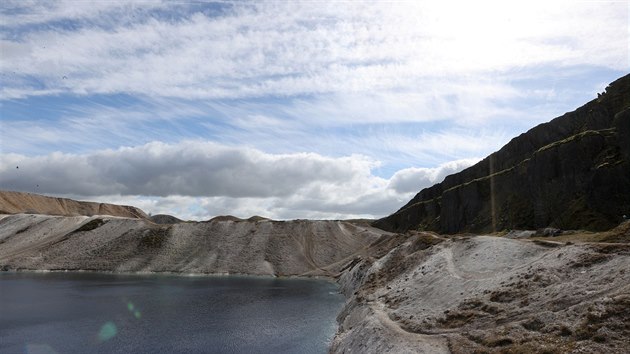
488	294
101	243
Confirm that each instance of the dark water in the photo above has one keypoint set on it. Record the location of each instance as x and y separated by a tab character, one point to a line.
106	313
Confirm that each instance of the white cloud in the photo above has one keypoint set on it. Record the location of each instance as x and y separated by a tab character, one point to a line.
412	180
332	127
32	12
201	179
306	48
189	168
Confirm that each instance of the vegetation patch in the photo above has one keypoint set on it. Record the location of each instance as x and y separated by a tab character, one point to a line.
620	234
424	241
533	324
456	319
612	315
154	238
581	135
503	296
498	342
587	260
479	304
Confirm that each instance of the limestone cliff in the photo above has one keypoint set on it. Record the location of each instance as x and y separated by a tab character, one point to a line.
572	173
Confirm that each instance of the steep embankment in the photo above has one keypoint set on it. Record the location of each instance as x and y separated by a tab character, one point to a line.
18	202
488	295
570	173
100	243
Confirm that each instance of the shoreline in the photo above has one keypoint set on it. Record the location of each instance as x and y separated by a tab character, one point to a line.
174	274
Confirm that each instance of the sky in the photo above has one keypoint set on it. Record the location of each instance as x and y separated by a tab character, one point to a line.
301	109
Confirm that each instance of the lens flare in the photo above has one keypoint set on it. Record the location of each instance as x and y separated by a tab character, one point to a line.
132	308
108	331
32	348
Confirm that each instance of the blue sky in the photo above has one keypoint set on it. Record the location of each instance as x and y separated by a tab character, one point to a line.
284	109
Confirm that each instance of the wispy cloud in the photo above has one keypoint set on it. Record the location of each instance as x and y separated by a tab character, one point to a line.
99	124
282	49
20	13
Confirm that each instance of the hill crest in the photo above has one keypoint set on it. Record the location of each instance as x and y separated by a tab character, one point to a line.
28	203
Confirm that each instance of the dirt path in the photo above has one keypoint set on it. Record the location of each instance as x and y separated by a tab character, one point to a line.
447	253
422	343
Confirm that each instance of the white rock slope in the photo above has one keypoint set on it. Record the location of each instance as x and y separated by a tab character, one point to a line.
105	243
488	295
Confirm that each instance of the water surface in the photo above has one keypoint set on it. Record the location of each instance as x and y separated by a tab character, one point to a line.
113	313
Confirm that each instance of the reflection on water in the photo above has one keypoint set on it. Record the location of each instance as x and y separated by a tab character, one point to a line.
107	313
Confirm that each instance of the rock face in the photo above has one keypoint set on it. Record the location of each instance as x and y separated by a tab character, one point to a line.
301	247
18	202
570	173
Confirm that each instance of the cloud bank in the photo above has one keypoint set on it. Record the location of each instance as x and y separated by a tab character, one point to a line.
237	179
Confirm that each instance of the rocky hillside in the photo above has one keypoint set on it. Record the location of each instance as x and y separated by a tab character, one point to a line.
258	247
571	173
484	294
17	202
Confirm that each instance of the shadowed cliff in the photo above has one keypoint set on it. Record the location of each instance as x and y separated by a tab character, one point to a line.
571	173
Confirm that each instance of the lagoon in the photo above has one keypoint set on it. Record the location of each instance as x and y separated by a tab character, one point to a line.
64	312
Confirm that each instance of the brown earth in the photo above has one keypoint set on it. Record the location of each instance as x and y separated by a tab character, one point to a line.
18	202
